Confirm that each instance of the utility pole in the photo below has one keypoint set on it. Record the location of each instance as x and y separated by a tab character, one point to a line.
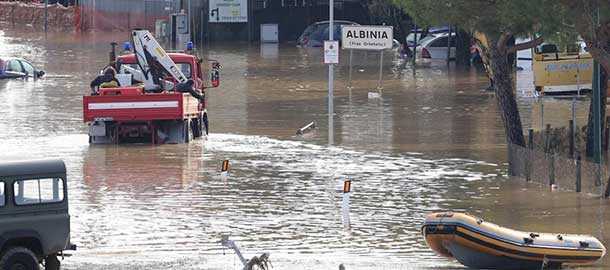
331	30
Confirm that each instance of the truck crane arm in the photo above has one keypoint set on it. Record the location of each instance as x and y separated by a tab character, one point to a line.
152	61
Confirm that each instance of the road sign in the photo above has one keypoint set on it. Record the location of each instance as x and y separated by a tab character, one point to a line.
367	37
331	52
228	11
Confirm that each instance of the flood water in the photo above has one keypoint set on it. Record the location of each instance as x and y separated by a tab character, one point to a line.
433	142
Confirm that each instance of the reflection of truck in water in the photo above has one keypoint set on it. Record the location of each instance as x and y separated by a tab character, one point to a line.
34	219
159	98
558	71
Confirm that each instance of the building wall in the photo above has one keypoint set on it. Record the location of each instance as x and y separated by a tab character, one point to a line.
292	16
108	15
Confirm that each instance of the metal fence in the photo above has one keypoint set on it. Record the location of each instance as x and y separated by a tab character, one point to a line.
549	168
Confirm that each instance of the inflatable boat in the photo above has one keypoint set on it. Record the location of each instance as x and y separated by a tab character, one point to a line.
479	244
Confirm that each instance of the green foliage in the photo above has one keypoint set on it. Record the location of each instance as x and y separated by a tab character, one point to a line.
519	17
385	11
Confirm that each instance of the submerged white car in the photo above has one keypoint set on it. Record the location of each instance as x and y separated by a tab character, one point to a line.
435	47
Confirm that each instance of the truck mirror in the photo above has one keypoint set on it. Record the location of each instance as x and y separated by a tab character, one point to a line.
215	74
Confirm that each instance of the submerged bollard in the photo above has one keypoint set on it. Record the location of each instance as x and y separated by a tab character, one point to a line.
578	175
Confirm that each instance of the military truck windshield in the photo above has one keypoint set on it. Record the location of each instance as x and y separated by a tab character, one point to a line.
2	198
38	191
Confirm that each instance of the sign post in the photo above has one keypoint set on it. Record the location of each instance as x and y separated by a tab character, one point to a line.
331	11
379	87
349	76
228	11
368	37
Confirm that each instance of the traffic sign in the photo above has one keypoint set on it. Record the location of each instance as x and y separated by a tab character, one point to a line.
367	37
331	52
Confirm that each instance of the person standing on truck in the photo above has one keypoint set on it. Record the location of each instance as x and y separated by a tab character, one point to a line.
106	80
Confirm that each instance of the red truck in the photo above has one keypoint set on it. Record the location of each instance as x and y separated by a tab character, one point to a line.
168	108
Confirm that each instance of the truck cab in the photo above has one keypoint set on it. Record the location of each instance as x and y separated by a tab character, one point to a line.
34	218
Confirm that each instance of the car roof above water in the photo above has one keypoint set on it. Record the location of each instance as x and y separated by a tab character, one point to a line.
32	167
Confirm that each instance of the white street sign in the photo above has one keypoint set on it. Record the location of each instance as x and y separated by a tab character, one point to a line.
228	11
331	52
367	37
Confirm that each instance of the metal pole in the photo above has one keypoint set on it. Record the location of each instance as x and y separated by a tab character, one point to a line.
331	30
46	15
597	113
541	115
349	76
190	17
573	126
379	87
597	121
449	45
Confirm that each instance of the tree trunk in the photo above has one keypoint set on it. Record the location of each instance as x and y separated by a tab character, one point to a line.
590	132
501	71
462	47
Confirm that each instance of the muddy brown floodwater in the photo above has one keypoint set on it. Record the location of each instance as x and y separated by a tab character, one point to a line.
434	141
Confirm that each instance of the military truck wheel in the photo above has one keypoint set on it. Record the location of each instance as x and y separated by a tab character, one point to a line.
51	263
19	258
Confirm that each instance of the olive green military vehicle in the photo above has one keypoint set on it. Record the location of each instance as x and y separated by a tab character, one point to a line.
34	219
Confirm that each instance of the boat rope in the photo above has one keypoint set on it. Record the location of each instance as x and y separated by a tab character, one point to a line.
545	263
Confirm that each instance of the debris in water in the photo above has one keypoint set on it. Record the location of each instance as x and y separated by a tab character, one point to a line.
373	95
307	128
261	262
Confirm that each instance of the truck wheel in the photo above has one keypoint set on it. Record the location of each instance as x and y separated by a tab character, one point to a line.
19	258
51	263
187	131
196	127
205	123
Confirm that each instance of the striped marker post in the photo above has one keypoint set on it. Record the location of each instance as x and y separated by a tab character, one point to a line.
224	169
347	186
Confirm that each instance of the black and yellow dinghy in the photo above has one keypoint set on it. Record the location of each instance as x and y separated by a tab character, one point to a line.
479	244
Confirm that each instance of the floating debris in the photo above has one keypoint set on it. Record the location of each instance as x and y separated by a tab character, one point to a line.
261	262
307	128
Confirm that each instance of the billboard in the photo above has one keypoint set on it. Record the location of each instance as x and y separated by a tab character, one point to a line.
228	11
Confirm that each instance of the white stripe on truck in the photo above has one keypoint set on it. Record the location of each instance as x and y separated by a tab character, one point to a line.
133	105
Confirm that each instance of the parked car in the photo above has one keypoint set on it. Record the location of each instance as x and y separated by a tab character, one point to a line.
422	33
435	47
315	34
18	68
34	218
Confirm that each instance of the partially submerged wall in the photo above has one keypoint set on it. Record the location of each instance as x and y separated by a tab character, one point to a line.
60	18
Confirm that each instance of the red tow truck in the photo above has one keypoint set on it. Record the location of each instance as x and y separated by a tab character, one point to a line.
160	97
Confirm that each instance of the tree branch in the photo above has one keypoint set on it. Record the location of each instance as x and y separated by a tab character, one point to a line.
525	45
501	44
